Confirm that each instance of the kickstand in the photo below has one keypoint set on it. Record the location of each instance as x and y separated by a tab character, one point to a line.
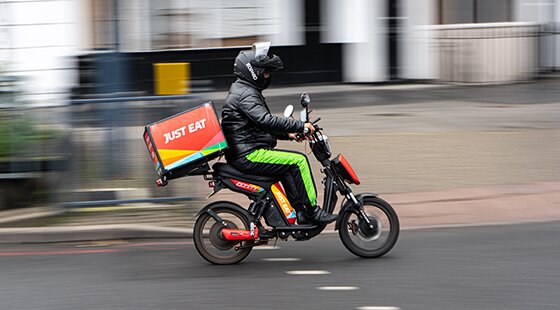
275	241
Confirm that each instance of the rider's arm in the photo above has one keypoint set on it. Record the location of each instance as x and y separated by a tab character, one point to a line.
255	110
280	135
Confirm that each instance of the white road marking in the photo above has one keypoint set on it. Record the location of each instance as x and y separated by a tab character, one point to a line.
282	259
266	247
378	308
307	272
338	288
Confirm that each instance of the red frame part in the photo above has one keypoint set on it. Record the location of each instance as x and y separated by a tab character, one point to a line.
346	165
239	234
246	186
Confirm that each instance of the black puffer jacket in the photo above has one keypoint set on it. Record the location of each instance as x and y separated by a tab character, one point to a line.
248	124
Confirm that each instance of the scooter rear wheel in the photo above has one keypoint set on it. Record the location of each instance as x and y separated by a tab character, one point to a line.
367	242
211	244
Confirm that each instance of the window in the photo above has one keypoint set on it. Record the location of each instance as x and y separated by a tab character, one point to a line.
102	24
183	24
474	11
191	24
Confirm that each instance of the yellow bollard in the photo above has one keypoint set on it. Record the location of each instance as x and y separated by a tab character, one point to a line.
172	78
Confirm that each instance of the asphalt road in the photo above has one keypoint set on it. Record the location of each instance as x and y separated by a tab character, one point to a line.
495	267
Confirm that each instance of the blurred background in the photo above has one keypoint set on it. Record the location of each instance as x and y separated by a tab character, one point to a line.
80	78
449	109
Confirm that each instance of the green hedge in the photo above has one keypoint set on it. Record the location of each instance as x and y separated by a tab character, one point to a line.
19	135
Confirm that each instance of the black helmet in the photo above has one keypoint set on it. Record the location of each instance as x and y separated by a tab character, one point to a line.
250	65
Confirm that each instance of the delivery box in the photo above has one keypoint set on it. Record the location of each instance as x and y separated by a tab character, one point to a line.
184	143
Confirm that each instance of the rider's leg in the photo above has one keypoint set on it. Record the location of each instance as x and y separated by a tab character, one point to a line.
279	163
290	188
303	214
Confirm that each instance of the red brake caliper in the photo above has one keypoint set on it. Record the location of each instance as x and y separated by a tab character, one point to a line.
353	227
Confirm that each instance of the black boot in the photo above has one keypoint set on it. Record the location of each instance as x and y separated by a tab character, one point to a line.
320	216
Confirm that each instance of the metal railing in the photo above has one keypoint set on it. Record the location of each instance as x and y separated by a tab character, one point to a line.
106	160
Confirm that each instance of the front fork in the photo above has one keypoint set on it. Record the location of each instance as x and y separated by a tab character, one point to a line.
358	206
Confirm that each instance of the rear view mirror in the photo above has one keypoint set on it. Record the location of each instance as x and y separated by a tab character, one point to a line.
304	100
289	111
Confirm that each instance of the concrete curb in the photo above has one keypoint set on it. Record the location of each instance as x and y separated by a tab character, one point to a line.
89	233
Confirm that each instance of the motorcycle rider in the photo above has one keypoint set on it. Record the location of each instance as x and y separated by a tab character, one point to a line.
252	132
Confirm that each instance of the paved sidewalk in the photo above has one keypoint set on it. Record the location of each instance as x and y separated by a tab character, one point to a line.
531	202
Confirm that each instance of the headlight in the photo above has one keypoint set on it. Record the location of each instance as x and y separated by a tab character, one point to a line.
324	140
327	143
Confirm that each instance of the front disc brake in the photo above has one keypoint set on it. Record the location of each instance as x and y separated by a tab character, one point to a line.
367	233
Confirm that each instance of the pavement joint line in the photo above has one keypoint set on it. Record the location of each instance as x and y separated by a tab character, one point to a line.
155	244
106	226
338	288
23	217
106	189
307	272
64	252
119	208
474	198
377	308
482	224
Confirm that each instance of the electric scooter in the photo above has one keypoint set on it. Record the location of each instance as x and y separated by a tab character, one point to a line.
225	232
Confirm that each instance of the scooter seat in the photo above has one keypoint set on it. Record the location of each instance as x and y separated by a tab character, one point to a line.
225	170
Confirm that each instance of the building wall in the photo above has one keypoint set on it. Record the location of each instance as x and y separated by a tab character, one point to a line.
360	25
417	54
546	12
541	11
40	38
181	24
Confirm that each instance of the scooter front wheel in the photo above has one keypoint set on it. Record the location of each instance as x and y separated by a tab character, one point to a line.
208	238
370	241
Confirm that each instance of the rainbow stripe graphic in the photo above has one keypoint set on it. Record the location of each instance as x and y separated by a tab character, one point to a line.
177	158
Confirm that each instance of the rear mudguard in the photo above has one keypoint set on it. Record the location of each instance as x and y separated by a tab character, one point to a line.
348	205
224	204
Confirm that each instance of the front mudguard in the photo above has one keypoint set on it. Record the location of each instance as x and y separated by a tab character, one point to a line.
224	204
349	205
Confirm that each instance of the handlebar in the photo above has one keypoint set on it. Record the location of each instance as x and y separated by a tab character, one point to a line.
314	123
300	137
